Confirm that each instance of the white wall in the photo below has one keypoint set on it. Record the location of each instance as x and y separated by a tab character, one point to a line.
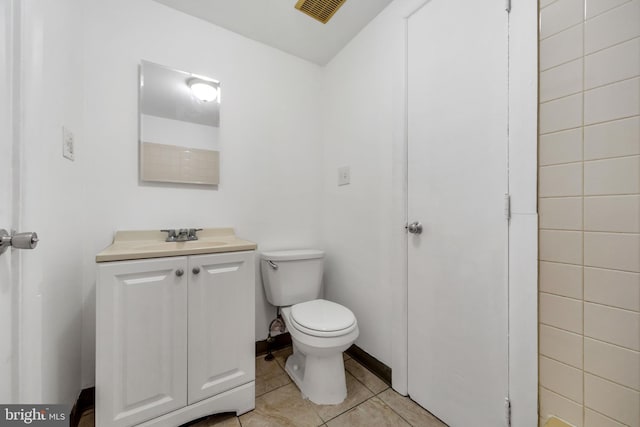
51	295
364	127
270	173
363	223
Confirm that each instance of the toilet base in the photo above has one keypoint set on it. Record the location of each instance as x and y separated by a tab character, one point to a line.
321	379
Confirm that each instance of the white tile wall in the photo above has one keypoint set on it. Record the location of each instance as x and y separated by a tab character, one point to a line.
617	251
589	212
561	48
559	16
560	114
612	213
561	279
615	26
561	246
604	323
594	419
598	70
611	102
596	7
563	379
613	400
560	312
618	364
560	81
560	147
560	180
553	404
612	139
612	176
561	345
612	287
561	213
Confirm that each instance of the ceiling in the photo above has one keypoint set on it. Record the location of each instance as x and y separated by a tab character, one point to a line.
277	23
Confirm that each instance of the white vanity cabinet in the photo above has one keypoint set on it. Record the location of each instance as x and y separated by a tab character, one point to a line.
175	338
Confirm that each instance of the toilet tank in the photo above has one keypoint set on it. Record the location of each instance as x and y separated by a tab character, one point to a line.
292	276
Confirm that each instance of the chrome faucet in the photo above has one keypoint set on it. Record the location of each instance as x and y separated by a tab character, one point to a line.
171	236
182	235
192	233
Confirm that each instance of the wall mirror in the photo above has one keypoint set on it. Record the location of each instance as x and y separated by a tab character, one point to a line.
179	126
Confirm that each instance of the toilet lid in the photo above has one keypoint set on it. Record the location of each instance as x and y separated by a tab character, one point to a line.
322	315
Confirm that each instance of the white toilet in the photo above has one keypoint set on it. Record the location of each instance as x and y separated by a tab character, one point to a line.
320	330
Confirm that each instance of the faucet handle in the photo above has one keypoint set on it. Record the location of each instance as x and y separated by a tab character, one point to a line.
192	233
171	237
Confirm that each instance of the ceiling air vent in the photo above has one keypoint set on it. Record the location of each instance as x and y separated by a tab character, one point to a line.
322	10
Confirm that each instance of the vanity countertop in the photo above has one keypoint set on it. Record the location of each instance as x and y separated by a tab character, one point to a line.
130	245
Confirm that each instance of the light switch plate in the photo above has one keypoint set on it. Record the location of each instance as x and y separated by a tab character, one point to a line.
344	175
68	144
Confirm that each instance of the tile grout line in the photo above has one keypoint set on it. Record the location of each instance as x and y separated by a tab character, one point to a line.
604	122
604	415
584	20
585	90
565	62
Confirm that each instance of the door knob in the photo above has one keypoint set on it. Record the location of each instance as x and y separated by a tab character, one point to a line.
17	240
179	272
196	270
414	227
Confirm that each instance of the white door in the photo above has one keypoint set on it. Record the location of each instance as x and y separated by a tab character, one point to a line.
8	289
457	166
141	340
221	323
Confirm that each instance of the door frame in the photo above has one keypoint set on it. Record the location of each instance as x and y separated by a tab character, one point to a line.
10	130
523	240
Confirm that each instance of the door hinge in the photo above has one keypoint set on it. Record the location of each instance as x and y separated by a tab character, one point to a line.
507	411
507	6
507	206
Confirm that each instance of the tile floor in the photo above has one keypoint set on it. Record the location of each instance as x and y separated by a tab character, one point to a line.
369	402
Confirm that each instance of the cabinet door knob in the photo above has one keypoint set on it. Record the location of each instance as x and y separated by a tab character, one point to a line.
196	270
179	272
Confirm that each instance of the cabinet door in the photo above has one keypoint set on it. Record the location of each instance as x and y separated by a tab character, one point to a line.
141	351
221	323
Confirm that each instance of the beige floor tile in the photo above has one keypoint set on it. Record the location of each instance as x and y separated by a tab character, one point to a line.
269	376
372	412
87	419
222	420
366	377
282	407
410	410
356	394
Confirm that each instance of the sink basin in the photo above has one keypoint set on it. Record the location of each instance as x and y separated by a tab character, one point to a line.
173	246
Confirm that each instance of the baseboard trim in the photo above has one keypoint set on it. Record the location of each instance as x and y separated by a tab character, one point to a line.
86	400
279	341
371	363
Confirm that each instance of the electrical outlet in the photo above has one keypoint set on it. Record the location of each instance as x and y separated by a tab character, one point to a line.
68	144
344	175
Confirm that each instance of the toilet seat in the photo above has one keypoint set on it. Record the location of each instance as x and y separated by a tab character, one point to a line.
322	318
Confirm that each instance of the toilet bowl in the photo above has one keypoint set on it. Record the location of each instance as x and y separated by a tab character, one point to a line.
316	365
320	330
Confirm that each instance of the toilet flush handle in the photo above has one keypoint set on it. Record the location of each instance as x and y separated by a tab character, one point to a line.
273	265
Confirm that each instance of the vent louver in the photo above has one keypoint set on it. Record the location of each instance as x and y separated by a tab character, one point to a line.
322	10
